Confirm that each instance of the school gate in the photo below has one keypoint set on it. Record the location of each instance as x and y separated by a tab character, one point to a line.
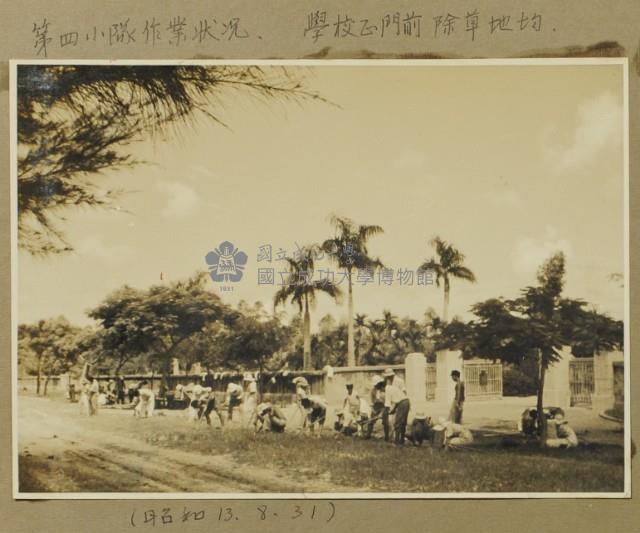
482	380
581	382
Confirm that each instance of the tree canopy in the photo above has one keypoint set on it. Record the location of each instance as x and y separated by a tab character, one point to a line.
75	121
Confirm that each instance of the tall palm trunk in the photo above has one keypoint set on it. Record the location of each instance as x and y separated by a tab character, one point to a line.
445	305
38	375
306	335
542	420
351	354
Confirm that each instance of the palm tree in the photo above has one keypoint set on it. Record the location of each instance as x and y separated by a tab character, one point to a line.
360	333
449	264
301	289
349	250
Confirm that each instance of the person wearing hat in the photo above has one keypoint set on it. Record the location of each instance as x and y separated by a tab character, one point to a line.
302	391
250	399
208	405
195	395
455	414
397	402
351	401
271	416
146	401
420	429
564	436
378	409
455	436
234	396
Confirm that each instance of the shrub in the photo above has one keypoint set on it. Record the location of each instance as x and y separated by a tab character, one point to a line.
515	382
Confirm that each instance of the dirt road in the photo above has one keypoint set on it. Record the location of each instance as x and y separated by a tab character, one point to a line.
66	452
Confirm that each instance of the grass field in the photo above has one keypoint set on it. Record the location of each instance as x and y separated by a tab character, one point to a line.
61	451
491	465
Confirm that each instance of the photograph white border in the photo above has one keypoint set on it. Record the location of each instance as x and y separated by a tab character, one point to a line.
623	62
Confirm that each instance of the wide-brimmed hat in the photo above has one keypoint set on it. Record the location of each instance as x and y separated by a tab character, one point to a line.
249	378
420	416
301	380
263	407
388	373
559	418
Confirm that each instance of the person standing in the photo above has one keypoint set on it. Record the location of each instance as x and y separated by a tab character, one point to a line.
146	401
94	391
233	398
119	390
455	414
250	400
397	401
378	409
352	402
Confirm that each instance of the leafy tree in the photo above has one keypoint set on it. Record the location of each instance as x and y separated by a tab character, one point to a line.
527	327
156	322
74	120
47	347
447	265
301	289
588	331
348	248
253	341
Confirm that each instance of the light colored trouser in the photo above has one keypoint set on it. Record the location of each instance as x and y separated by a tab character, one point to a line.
249	408
559	443
145	408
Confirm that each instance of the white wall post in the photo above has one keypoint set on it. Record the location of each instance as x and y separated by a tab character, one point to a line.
415	379
557	390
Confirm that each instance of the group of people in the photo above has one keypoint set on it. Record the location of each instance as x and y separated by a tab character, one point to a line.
559	434
390	404
201	401
387	403
93	396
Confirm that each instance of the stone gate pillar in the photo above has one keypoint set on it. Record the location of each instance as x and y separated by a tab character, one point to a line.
603	396
446	361
557	390
415	379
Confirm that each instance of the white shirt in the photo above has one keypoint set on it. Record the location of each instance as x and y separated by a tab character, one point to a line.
252	388
234	390
399	382
393	395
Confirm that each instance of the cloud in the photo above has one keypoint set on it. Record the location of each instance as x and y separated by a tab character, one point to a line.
503	197
530	253
598	128
94	247
182	200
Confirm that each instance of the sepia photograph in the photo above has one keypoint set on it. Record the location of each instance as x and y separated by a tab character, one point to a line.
312	279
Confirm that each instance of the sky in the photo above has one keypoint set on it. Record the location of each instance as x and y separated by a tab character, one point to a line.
509	163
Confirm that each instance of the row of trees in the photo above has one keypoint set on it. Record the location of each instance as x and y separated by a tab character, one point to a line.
145	330
348	248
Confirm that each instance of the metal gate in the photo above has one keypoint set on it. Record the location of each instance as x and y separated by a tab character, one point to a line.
482	379
431	381
581	381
